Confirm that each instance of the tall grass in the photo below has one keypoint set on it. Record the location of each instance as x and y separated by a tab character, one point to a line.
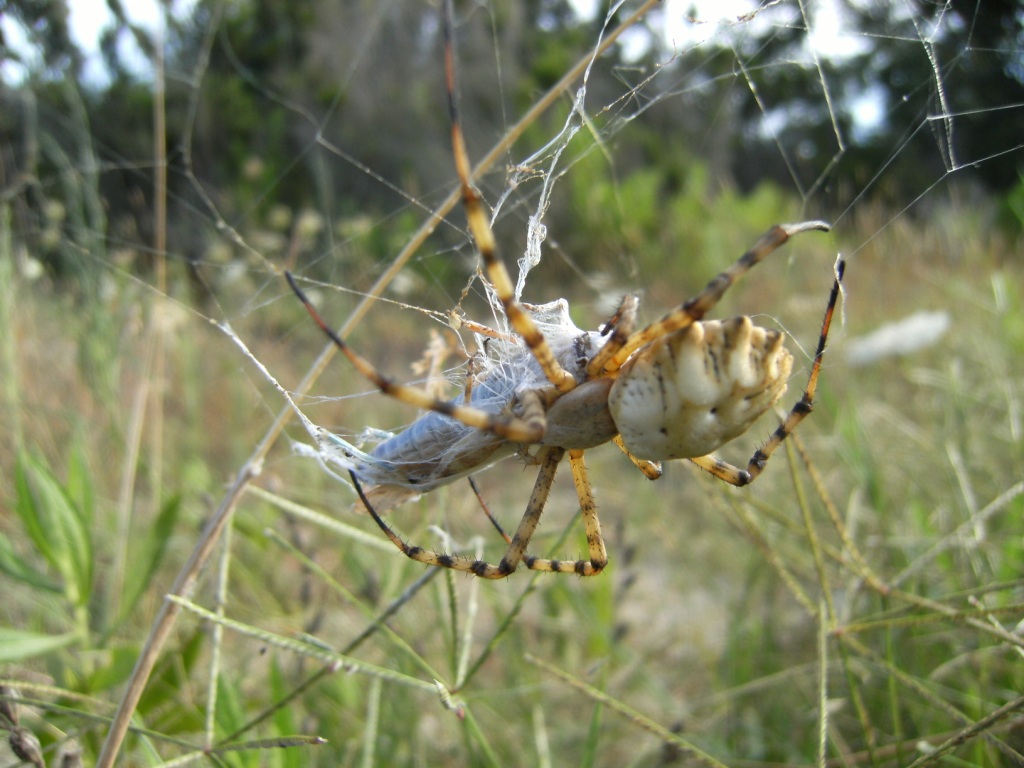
858	604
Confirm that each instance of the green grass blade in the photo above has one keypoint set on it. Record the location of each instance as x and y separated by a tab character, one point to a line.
21	570
150	555
18	644
56	526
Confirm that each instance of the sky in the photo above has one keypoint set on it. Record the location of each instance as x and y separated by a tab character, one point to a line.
88	19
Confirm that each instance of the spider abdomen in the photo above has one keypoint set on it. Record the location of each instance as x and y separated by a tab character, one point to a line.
687	394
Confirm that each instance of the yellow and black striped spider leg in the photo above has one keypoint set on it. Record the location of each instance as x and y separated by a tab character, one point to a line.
800	411
516	552
497	273
528	429
696	308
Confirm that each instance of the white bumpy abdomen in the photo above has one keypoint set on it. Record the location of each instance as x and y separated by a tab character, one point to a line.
687	394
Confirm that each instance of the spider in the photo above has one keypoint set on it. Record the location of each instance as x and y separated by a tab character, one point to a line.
678	388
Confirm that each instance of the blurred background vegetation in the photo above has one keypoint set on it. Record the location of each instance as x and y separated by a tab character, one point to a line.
279	79
314	137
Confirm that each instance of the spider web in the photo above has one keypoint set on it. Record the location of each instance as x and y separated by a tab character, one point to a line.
675	143
775	70
671	72
779	62
352	187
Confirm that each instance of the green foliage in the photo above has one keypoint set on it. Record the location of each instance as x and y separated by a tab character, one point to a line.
707	630
870	591
58	525
274	105
148	556
669	219
17	645
1012	209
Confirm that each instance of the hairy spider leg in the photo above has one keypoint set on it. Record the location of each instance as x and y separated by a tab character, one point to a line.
528	429
481	231
487	510
516	552
651	469
694	309
619	328
800	411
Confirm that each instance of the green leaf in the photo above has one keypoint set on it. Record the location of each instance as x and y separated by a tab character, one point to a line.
55	525
17	644
21	570
150	554
160	701
280	688
116	667
79	485
230	709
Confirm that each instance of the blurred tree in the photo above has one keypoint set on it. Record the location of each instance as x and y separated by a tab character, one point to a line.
919	61
296	101
47	22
